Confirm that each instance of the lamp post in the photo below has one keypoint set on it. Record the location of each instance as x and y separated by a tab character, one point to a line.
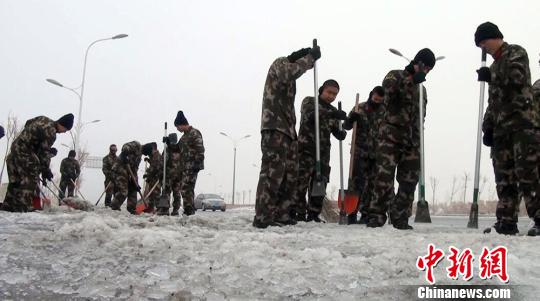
80	94
235	144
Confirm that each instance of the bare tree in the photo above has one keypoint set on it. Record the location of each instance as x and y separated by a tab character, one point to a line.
11	132
433	183
454	189
465	181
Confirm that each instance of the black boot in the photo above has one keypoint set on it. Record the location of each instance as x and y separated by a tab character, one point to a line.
535	230
263	225
188	211
363	219
402	225
301	217
374	223
506	228
314	216
352	219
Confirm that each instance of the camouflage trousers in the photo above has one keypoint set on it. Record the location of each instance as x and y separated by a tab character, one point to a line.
515	158
174	185
364	172
109	190
276	190
189	179
66	183
124	187
306	176
152	197
23	173
392	157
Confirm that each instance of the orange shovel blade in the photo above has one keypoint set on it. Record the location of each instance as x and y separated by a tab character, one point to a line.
140	207
351	202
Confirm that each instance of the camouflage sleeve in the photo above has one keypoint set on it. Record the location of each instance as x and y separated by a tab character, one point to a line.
77	169
285	72
106	168
487	124
307	111
518	64
536	90
198	145
48	136
63	166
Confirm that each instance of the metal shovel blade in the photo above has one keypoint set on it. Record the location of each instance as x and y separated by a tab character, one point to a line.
473	217
422	212
318	189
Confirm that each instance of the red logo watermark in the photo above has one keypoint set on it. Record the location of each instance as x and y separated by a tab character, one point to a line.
492	263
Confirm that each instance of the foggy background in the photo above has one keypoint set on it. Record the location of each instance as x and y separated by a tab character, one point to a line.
210	59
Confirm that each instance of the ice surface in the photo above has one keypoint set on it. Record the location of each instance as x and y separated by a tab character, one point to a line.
103	254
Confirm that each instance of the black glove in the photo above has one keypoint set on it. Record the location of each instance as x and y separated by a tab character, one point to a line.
47	175
54	151
146	159
340	135
315	52
484	74
123	158
487	139
419	77
196	166
338	114
145	176
166	140
293	57
354	117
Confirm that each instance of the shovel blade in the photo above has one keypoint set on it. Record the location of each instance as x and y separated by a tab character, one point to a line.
351	202
422	212
473	217
140	207
318	189
163	202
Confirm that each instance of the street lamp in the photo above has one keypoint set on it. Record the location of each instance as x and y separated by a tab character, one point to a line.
235	144
81	87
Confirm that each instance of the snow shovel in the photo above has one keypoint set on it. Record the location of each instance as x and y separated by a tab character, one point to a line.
319	185
140	207
473	216
351	197
342	213
422	208
103	193
78	190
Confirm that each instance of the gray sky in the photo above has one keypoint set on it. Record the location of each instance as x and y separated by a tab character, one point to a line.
210	58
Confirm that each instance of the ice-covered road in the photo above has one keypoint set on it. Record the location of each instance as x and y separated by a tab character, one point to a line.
219	256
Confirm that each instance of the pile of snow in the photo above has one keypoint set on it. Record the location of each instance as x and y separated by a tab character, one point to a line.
104	254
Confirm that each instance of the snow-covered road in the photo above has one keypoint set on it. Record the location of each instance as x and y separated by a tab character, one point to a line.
103	254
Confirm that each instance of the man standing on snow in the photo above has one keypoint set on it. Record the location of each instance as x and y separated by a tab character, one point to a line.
153	175
124	174
276	190
329	124
192	161
108	162
30	155
398	149
510	127
70	171
368	119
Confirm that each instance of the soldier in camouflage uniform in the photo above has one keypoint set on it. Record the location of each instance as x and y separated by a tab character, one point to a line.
510	126
398	146
368	119
124	184
108	162
174	178
329	118
276	190
153	175
192	160
70	171
30	155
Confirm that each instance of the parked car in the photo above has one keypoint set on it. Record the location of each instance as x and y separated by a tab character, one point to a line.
210	201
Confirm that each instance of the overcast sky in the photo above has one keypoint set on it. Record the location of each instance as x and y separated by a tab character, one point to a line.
210	59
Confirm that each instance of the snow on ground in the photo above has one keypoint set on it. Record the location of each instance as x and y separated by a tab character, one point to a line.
65	254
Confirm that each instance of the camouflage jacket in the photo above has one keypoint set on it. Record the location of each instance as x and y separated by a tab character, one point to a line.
511	105
36	140
192	149
154	172
279	91
536	90
108	162
174	162
133	153
401	108
70	168
367	129
327	125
